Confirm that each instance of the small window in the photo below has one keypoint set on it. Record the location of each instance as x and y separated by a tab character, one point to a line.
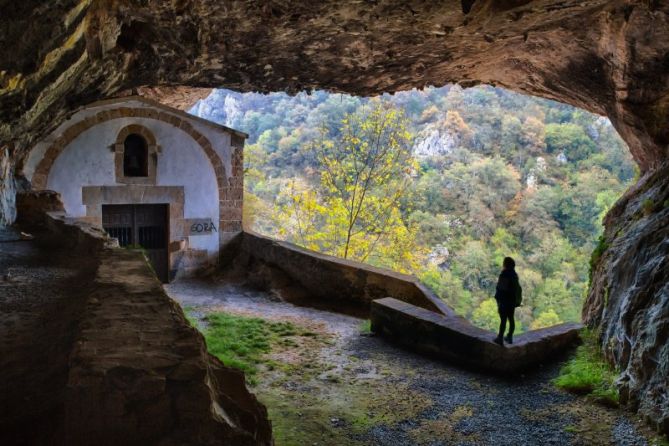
135	156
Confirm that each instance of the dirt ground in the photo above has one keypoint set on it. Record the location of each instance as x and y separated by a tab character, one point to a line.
343	386
36	285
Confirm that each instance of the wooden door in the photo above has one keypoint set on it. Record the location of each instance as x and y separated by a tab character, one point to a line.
140	225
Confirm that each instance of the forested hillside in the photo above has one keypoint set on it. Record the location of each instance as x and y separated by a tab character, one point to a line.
441	183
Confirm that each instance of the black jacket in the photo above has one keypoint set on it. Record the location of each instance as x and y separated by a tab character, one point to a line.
506	288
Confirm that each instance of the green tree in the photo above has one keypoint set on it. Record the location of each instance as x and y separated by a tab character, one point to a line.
485	315
448	286
570	139
364	173
546	319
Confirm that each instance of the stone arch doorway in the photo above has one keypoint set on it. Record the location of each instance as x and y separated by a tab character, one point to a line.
229	189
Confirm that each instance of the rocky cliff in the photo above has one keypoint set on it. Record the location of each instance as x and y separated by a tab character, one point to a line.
629	296
607	56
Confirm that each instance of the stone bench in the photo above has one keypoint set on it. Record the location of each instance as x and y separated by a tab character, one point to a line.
456	340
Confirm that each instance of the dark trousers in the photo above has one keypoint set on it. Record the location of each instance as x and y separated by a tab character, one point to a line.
506	313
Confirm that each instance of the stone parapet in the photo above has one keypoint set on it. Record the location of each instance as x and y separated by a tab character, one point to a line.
330	282
456	340
138	373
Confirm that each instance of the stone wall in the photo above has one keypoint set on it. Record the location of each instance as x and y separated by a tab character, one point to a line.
310	278
138	372
456	340
411	316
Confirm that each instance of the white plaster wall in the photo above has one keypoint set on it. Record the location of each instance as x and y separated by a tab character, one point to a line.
219	138
86	161
89	161
220	141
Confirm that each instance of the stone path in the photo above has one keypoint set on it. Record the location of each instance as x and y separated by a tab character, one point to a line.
347	388
35	285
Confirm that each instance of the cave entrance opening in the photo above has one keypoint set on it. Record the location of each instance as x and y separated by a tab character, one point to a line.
489	173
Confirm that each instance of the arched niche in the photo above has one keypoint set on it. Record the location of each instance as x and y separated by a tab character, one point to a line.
135	155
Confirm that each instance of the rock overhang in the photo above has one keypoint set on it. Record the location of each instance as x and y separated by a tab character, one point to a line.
608	57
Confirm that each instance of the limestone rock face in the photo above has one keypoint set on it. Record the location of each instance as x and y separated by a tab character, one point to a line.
7	188
629	297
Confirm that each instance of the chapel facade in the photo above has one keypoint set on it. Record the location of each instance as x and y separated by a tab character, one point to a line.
152	176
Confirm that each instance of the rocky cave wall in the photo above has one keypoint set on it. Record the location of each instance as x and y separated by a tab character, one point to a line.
629	296
607	56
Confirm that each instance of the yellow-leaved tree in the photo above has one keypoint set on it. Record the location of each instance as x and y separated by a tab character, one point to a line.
365	169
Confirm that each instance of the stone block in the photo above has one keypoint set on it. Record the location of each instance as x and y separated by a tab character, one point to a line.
91	195
236	193
231	213
186	127
230	226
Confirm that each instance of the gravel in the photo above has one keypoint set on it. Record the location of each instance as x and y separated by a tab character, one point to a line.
528	410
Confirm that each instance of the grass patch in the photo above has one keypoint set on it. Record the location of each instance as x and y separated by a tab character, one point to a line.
588	374
242	342
597	253
190	317
647	206
365	327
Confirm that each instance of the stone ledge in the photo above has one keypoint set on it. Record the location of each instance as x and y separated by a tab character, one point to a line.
140	374
456	340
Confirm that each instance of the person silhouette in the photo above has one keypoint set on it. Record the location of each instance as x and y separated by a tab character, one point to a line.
505	295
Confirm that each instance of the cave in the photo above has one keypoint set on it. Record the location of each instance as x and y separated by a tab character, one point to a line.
608	57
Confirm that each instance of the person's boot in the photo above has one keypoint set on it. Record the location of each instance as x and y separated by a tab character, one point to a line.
509	339
498	340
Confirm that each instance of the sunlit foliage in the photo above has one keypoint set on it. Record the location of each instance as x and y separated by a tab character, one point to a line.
441	183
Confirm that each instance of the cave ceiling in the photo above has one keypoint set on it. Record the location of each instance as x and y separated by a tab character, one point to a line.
610	57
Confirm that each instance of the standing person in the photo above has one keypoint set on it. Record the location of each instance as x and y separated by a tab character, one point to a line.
508	298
